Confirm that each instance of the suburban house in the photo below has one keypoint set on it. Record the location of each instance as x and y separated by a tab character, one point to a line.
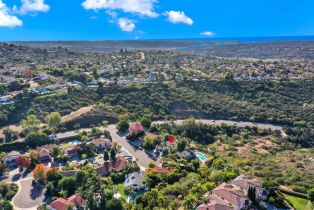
10	159
214	202
70	151
134	181
233	195
75	201
101	144
110	166
187	154
245	182
43	154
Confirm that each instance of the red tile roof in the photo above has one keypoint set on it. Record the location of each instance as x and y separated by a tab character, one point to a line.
213	202
232	193
108	167
60	204
76	200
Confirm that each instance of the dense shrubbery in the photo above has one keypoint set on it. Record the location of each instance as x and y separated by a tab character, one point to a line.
283	102
7	192
301	136
34	139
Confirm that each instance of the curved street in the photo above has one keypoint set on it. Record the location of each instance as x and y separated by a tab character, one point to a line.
28	196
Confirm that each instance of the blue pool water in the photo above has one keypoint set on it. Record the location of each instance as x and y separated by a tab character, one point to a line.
75	142
201	156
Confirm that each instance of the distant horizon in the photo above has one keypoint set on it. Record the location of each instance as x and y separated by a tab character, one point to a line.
242	38
47	20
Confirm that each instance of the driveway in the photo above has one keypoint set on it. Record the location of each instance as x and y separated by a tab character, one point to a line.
28	196
16	177
143	159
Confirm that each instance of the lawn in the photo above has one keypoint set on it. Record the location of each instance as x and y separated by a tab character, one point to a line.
121	190
299	203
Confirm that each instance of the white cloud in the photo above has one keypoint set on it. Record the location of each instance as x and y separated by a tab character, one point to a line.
34	6
7	20
141	7
178	17
126	24
208	33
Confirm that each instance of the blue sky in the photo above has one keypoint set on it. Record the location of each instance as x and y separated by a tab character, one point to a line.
153	19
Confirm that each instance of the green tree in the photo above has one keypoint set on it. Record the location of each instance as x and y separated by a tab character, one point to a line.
91	201
9	135
145	122
227	176
114	204
55	152
189	202
181	145
123	126
67	184
113	154
53	176
34	139
218	164
252	193
311	194
80	177
5	205
2	89
30	123
151	165
53	120
70	207
106	155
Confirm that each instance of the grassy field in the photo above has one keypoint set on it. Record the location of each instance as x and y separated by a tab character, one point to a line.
299	203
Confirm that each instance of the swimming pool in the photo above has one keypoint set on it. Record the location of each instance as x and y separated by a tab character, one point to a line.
201	156
75	142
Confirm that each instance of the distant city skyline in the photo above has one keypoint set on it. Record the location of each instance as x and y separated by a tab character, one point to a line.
39	20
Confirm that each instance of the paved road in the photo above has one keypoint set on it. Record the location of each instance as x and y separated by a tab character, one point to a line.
204	121
16	177
28	196
142	157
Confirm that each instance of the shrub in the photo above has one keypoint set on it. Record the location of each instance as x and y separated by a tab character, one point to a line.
34	139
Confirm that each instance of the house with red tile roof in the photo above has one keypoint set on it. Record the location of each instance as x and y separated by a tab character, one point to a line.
110	166
245	182
101	144
233	195
58	204
214	202
76	201
43	154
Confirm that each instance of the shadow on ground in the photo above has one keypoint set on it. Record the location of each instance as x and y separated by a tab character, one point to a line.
36	191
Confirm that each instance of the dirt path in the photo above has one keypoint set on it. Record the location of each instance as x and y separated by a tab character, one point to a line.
77	113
